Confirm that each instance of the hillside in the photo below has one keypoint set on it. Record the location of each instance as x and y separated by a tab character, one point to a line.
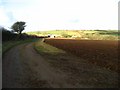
80	34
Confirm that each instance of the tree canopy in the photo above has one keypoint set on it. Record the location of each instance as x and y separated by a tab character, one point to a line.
18	27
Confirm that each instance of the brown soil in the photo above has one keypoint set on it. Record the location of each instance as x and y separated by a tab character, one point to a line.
23	67
100	52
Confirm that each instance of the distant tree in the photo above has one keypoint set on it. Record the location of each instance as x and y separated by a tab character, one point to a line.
18	27
66	35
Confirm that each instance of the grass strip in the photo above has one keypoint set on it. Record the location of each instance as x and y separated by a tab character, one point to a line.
42	47
6	46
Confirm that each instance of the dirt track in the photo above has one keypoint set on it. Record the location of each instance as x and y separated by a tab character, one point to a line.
23	67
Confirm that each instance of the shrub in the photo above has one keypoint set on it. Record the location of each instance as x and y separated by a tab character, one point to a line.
66	35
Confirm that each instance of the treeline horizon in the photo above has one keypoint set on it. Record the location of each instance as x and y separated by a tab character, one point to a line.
8	35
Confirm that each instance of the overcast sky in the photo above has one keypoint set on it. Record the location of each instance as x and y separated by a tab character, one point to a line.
60	14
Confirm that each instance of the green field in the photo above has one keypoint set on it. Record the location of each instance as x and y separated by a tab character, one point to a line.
81	34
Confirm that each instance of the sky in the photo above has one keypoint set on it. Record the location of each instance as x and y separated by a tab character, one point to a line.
60	14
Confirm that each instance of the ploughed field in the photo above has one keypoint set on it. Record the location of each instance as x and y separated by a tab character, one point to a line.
99	52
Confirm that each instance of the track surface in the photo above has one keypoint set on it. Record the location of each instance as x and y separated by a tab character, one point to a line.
23	67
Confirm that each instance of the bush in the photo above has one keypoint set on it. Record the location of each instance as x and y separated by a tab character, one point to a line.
8	35
66	35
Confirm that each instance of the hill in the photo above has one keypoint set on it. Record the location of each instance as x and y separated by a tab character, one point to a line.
80	34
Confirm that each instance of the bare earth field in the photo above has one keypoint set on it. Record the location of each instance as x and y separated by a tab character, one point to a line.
23	67
100	52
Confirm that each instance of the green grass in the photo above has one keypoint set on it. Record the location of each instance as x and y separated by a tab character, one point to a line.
9	44
81	34
44	48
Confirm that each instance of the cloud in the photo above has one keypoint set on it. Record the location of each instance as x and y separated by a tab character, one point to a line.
11	16
60	14
3	16
6	18
75	21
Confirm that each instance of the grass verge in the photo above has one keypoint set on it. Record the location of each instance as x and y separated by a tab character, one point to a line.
44	48
9	44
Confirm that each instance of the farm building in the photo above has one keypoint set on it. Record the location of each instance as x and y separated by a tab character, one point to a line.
53	36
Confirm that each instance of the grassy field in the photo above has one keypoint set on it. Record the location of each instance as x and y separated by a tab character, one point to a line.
81	34
100	52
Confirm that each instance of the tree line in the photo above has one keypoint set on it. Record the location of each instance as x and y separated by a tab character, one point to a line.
17	27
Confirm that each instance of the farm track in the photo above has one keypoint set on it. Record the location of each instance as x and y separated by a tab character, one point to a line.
23	67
